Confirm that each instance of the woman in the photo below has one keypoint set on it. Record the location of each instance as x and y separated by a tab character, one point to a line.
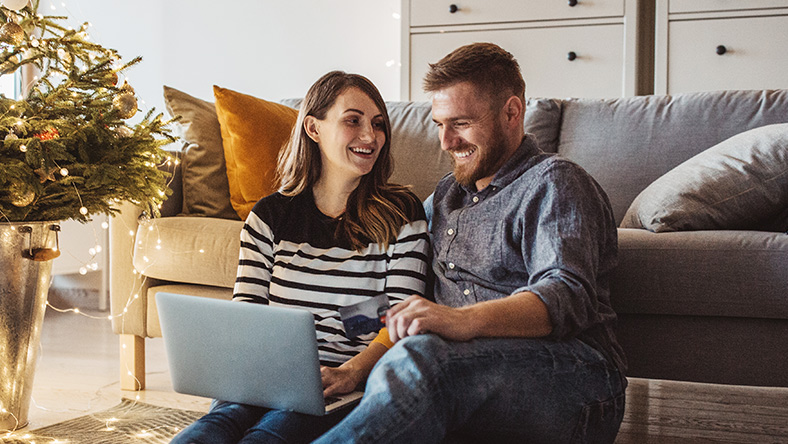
335	234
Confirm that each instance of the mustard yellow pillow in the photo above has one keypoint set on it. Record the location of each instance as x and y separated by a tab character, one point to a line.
253	131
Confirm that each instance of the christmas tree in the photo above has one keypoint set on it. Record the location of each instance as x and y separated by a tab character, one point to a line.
67	150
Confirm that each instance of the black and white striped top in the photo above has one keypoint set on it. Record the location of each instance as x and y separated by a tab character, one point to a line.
290	256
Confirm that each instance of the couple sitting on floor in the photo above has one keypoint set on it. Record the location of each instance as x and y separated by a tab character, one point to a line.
514	341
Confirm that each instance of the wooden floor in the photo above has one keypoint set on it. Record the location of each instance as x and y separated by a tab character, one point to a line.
78	374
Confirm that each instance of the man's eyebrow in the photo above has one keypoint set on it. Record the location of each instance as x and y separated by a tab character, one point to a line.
454	119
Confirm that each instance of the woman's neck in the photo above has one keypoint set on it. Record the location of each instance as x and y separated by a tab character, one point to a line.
331	195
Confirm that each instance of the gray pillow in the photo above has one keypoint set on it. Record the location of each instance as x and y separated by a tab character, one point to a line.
206	191
740	183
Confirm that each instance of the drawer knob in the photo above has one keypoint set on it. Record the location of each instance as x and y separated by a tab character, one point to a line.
721	50
572	3
453	8
572	56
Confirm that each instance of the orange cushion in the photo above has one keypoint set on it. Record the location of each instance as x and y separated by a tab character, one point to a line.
253	131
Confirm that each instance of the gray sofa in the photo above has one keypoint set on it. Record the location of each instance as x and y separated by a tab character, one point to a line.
706	303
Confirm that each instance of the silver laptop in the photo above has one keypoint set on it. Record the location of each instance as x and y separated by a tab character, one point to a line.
245	353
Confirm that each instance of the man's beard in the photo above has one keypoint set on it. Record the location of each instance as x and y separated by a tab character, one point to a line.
488	160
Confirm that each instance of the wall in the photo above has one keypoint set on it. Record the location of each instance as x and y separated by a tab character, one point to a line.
271	49
268	48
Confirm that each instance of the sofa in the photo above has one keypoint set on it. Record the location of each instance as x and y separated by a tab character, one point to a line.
698	183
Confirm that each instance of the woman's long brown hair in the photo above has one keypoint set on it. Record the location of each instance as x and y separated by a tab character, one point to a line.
376	209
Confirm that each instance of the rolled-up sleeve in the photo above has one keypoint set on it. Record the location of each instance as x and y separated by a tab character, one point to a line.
564	239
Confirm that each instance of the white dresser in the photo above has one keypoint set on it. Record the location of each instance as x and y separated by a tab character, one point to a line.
566	48
706	45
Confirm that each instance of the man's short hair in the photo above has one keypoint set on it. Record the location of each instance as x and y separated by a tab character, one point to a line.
485	65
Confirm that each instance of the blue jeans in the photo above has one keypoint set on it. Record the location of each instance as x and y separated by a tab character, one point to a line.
429	390
231	423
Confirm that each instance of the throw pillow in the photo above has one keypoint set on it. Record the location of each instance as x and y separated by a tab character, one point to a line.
740	183
253	130
205	188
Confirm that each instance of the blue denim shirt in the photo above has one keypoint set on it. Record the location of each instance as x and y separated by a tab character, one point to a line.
542	225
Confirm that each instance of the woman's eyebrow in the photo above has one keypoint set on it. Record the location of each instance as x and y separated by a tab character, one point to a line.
354	110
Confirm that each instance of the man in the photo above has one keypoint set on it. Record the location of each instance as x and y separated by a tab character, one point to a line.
519	346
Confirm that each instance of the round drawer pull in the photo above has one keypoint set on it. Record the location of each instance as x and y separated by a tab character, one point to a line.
572	3
572	56
453	8
721	50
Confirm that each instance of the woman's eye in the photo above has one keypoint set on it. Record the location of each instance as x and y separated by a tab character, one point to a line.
379	125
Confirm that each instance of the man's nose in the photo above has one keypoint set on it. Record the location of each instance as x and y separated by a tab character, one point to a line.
449	139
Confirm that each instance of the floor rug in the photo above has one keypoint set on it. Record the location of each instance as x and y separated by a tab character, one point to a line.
128	422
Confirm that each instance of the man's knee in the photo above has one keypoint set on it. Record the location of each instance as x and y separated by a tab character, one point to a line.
417	359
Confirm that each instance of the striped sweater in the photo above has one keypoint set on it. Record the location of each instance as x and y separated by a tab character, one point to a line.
290	257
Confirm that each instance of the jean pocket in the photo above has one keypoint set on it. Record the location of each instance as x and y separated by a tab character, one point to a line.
599	422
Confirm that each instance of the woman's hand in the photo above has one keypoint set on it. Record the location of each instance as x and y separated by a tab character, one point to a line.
348	376
340	380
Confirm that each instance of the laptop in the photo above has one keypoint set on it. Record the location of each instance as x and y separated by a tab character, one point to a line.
245	353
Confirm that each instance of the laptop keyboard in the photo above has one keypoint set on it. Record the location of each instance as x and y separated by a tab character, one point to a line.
331	399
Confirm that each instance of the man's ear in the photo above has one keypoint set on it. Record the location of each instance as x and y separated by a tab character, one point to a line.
514	109
311	128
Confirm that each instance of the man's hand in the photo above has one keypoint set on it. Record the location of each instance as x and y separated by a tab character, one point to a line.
416	315
521	315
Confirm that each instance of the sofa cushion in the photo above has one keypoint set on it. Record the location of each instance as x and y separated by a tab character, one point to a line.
253	131
740	183
205	188
701	273
627	143
195	250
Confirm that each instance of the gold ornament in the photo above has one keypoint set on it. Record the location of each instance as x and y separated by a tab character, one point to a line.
45	174
126	104
124	131
126	87
14	5
12	33
21	197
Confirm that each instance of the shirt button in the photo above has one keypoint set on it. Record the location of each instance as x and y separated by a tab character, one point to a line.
451	265
466	292
475	199
450	231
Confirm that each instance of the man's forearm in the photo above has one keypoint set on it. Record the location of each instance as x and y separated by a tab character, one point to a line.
519	315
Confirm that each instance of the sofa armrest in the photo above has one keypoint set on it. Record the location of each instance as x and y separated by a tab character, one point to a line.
128	289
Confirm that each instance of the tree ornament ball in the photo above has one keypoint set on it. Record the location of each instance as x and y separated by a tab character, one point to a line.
126	104
14	5
12	33
22	198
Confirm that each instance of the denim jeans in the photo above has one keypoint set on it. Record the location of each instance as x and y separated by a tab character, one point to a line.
429	390
231	423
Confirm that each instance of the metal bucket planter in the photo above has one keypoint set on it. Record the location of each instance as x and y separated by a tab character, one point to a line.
26	253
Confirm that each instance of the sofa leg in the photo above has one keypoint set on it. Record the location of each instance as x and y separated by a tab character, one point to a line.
132	362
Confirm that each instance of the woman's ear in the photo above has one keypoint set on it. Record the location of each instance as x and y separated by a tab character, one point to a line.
311	128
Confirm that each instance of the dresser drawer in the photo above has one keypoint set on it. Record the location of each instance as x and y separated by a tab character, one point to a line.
682	6
751	60
596	71
439	12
